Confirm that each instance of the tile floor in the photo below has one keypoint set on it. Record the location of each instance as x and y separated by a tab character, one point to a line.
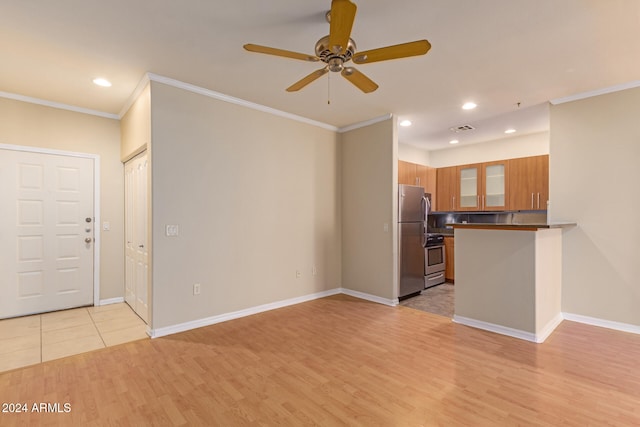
33	339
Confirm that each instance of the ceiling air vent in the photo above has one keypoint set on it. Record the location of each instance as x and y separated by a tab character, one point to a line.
462	128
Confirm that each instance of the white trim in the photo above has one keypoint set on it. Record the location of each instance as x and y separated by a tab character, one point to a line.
498	329
365	123
96	202
58	105
609	324
597	92
182	327
97	228
369	297
548	329
109	301
134	95
232	100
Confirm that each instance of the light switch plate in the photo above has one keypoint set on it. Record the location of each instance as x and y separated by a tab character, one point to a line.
171	230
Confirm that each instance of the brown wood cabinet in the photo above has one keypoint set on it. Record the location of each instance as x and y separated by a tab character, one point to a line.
446	184
449	260
529	183
416	174
407	173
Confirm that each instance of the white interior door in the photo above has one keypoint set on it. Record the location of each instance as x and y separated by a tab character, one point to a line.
137	242
46	232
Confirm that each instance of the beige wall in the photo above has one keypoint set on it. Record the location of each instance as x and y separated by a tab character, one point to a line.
34	125
256	197
495	282
136	126
595	149
369	194
507	148
409	153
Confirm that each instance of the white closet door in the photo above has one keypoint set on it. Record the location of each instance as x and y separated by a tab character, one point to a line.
46	232
137	242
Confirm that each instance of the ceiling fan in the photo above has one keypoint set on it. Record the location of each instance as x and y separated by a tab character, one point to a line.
338	48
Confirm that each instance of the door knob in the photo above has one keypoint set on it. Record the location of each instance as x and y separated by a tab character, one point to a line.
87	240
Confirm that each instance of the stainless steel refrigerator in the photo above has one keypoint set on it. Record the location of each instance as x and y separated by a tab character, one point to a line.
413	207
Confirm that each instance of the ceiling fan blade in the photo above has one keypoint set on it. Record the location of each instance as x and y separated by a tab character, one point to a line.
361	81
308	79
404	50
280	52
343	13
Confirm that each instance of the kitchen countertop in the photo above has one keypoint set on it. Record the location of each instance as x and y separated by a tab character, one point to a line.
521	227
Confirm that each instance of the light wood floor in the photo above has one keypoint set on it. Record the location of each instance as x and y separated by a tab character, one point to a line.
341	361
39	338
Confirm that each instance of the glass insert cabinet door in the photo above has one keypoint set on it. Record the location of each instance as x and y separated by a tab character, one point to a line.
469	179
494	177
482	187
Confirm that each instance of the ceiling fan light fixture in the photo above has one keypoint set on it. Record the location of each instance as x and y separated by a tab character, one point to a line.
336	64
338	48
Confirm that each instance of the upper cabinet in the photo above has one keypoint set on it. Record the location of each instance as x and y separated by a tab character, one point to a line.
420	175
529	181
407	173
515	184
482	187
446	184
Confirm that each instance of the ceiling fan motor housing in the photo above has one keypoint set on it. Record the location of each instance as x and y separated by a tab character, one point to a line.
334	60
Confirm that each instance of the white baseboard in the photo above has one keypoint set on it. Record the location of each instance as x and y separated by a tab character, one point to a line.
369	297
609	324
182	327
549	328
498	329
111	301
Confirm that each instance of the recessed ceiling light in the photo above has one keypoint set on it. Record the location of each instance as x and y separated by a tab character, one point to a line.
453	141
469	106
405	123
510	131
102	82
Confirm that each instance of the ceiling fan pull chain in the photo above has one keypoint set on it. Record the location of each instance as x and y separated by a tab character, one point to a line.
329	89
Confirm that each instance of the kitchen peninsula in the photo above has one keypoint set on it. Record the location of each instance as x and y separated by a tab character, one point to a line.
509	278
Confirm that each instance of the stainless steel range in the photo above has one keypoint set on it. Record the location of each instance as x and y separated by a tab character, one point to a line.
434	259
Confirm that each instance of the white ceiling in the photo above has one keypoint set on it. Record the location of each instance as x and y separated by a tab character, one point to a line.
497	53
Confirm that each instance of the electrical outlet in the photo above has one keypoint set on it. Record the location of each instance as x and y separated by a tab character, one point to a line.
298	274
171	230
196	289
314	270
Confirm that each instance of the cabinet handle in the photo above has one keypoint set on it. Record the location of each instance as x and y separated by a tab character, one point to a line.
478	201
531	200
483	202
453	203
538	200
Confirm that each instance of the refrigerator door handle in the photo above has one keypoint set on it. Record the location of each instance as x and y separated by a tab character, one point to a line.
424	204
424	237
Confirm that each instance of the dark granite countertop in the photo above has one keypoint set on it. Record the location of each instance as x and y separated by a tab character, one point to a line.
493	226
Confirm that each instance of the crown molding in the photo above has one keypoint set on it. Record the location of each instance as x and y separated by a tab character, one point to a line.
237	101
58	105
597	92
365	123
